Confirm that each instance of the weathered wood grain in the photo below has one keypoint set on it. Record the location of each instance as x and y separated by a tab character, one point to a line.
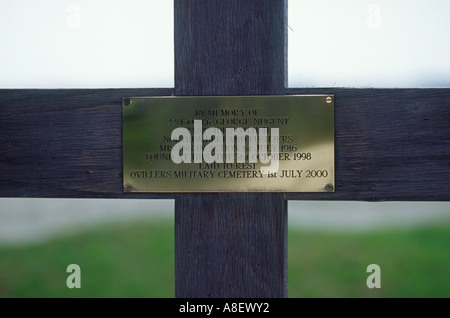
391	144
234	47
64	143
230	245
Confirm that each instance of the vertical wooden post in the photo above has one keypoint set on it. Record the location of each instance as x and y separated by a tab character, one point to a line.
230	245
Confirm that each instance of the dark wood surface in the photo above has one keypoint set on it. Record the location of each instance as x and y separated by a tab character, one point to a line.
234	47
391	144
63	143
230	245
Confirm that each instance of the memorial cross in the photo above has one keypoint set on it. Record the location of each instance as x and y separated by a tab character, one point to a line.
390	144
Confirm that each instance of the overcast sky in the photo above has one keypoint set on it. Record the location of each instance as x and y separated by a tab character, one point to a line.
129	43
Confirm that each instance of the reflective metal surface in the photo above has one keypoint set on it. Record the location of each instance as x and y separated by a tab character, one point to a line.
306	144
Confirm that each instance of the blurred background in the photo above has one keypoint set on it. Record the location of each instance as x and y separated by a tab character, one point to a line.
125	247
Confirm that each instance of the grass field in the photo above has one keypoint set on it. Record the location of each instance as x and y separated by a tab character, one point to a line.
136	260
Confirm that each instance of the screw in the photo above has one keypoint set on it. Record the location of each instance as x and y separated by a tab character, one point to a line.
126	101
329	99
127	187
329	187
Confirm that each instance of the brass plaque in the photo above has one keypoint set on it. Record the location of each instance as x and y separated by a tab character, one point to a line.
229	144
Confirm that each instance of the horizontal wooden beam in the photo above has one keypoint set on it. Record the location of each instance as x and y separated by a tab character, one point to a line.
391	144
64	143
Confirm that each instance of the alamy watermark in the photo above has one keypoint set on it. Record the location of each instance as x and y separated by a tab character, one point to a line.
73	20
374	279
374	16
74	279
258	141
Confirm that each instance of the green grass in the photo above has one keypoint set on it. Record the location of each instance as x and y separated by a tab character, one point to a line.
132	260
413	263
136	260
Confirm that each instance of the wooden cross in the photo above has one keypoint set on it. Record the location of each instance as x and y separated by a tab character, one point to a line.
391	144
